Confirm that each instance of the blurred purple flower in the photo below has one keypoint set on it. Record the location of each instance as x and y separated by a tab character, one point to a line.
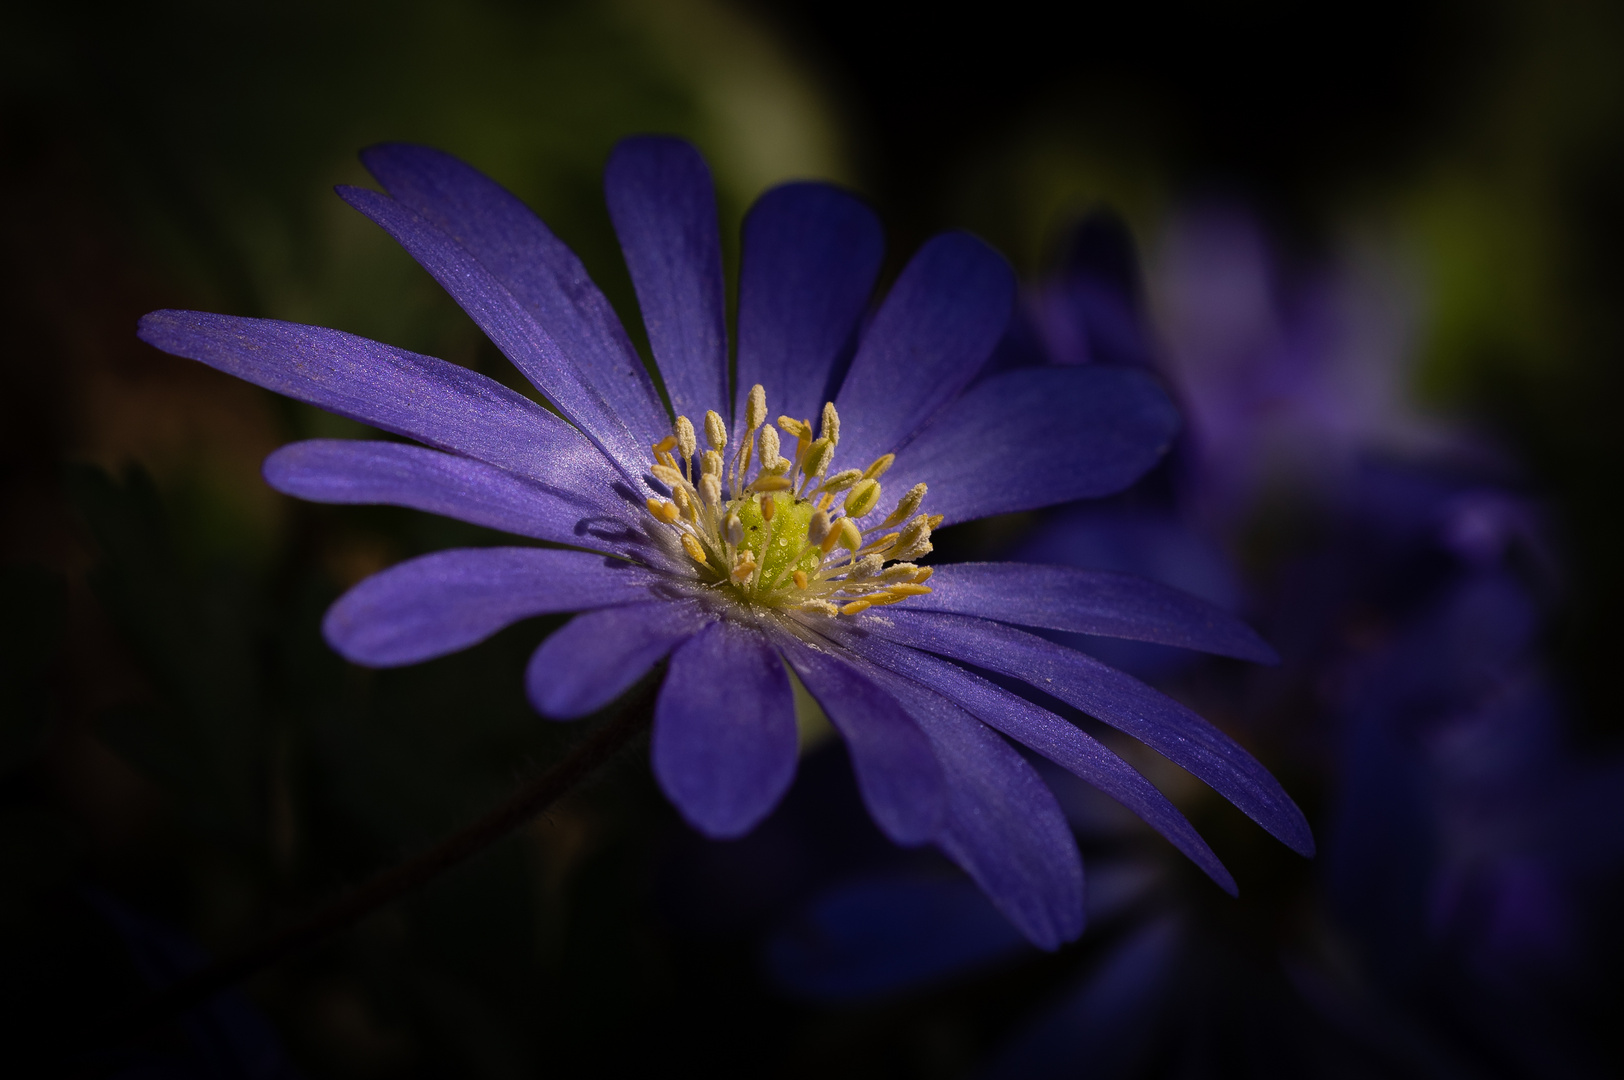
716	543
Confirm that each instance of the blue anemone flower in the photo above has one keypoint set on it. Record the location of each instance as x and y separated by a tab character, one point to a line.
735	546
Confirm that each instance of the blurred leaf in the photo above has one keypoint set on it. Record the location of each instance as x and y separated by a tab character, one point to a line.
195	636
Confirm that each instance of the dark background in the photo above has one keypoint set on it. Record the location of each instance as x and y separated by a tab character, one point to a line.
179	743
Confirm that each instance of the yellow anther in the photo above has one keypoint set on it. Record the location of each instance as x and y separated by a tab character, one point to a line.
665	459
867	567
936	520
800	579
905	507
685	505
878	468
821	607
769	507
880	599
710	489
744	568
769	482
768	441
842	480
924	575
798	428
711	464
687	443
666	475
884	543
733	529
817	527
902	592
827	498
831	423
755	408
904	571
817	457
664	511
715	430
665	445
856	607
862	497
695	552
851	537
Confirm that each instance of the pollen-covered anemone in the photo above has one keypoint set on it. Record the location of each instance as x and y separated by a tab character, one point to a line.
744	549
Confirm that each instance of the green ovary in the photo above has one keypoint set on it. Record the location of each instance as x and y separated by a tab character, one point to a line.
787	535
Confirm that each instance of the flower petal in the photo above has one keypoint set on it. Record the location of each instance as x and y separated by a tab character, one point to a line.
663	206
1004	826
1091	602
597	656
930	337
1037	437
811	253
543	274
724	731
1056	739
429	400
439	603
512	328
1114	698
363	471
901	781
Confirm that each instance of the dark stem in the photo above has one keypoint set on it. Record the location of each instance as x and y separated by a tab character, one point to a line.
196	988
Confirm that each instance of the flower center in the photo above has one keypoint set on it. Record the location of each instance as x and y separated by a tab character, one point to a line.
786	532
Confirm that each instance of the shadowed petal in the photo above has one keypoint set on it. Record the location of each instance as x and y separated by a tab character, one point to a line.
663	206
724	731
597	656
1114	698
1091	602
439	603
932	334
512	328
543	274
429	400
1037	437
1056	739
811	253
1003	825
901	781
359	471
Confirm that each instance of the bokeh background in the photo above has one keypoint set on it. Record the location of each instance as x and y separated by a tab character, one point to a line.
1434	188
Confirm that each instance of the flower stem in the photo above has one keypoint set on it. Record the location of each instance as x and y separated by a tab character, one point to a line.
532	799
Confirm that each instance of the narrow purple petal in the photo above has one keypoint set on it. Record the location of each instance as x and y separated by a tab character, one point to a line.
541	273
1114	698
1037	437
663	206
1091	602
930	337
512	328
597	656
359	471
902	783
429	400
1003	824
439	603
811	253
1056	739
724	731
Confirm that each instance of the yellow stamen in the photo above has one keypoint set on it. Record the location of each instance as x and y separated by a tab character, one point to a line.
856	607
800	579
878	468
662	510
695	552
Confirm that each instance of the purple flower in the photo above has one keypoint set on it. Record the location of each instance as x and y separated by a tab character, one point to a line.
735	546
